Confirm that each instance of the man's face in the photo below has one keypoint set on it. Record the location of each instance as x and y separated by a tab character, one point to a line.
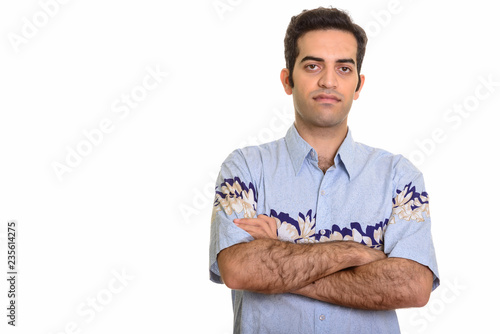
325	79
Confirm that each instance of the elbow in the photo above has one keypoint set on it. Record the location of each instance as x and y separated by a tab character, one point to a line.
423	289
416	288
421	299
229	275
415	297
419	280
230	279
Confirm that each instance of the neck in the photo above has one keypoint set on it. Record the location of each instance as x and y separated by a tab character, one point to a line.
326	141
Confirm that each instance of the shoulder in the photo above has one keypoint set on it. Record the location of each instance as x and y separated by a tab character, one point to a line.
396	164
376	156
253	158
402	172
255	155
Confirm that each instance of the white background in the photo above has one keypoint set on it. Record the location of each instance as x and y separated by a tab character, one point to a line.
139	202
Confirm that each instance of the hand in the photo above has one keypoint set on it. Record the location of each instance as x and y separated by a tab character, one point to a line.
262	227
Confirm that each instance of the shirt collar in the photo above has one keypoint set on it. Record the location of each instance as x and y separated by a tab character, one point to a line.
299	149
346	154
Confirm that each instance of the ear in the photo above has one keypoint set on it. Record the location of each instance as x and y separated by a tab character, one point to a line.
362	82
285	80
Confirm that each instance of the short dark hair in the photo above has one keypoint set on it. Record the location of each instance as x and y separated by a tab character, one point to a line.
321	19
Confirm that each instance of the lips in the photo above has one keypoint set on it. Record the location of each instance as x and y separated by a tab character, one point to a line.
326	98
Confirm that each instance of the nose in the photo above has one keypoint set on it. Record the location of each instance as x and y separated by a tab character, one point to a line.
328	79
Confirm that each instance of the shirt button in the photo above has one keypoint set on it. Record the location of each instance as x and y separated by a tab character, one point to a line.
322	317
323	193
322	232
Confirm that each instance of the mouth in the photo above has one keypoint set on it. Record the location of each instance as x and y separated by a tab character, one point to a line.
326	98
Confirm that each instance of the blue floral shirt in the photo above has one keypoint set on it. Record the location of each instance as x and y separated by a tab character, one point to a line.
369	196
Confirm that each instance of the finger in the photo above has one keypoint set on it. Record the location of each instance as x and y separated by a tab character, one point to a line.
256	227
268	220
255	232
248	221
271	222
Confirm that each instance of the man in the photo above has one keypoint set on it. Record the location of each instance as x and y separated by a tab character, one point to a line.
315	233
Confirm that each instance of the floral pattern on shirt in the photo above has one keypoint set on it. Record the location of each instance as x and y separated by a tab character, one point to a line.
233	195
303	230
410	205
372	236
298	231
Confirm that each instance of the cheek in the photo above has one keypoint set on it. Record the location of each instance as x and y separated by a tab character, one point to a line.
302	89
356	95
300	103
299	96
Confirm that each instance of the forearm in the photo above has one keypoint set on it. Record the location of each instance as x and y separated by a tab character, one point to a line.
382	285
272	266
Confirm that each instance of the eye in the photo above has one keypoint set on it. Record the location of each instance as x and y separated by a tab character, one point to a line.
312	67
345	69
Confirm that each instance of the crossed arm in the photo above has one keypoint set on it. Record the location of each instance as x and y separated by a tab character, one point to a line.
343	273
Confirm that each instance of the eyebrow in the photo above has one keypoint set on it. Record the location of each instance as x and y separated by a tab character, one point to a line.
346	60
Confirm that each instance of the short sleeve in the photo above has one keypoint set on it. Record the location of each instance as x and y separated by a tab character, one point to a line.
235	197
408	234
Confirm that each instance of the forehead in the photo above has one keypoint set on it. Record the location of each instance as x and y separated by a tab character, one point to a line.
327	44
